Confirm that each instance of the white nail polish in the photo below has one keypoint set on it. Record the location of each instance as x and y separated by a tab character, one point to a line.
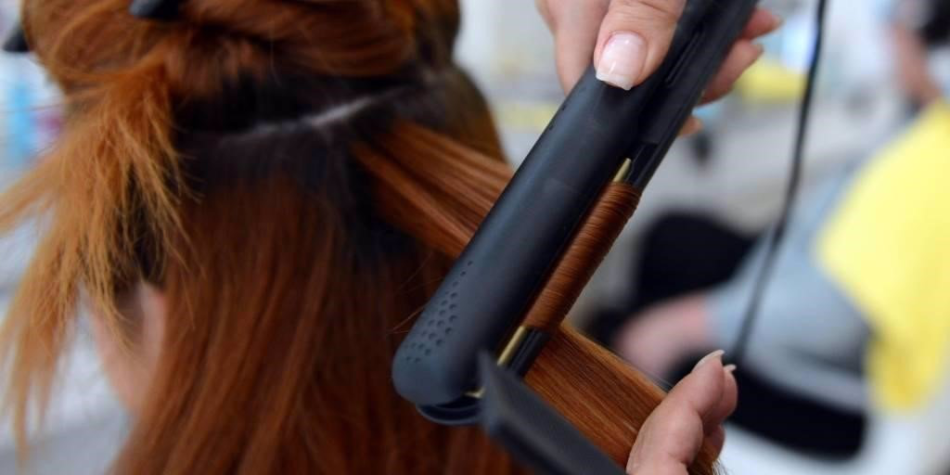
714	355
730	368
622	60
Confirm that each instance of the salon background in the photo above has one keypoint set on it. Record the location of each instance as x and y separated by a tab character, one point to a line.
716	192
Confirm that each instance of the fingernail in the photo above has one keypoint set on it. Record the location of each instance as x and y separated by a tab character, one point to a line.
622	60
712	356
729	368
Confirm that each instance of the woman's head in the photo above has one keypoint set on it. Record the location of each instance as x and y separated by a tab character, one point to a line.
251	201
922	53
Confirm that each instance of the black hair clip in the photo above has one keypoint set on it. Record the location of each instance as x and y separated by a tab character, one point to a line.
161	10
16	42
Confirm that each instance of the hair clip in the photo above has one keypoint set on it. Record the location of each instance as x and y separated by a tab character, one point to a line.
16	42
161	10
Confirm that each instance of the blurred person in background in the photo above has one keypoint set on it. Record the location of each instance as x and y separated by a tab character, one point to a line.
857	315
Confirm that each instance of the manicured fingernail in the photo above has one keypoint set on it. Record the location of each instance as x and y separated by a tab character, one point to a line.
716	355
729	368
622	60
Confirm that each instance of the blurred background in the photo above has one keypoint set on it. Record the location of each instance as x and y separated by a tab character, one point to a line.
677	282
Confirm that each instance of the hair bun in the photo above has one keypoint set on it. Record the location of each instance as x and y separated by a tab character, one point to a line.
359	38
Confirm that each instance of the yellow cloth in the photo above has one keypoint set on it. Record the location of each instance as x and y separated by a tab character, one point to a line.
770	82
888	247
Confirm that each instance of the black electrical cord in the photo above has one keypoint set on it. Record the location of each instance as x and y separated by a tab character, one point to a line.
777	236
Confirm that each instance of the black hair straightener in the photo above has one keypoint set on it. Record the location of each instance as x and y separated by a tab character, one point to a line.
599	133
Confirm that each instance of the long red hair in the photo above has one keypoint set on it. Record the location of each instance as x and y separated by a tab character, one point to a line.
296	176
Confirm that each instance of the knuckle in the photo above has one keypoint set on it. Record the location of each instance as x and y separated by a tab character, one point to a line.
661	13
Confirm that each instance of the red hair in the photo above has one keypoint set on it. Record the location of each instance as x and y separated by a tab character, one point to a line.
292	245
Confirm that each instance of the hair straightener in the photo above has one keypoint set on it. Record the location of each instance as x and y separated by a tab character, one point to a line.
462	360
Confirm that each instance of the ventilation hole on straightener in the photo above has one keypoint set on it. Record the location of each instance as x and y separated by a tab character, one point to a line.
428	352
470	263
417	360
448	330
463	273
453	307
453	318
454	295
440	323
438	342
432	336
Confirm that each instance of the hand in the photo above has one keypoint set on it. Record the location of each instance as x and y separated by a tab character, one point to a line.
664	334
693	412
628	39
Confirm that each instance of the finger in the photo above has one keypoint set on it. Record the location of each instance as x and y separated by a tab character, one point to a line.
693	125
634	38
762	23
716	435
575	26
674	433
730	397
742	55
545	11
702	389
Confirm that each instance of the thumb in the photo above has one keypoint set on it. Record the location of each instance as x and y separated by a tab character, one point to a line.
634	38
674	433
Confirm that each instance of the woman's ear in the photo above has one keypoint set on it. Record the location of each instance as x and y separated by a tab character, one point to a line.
129	369
153	304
